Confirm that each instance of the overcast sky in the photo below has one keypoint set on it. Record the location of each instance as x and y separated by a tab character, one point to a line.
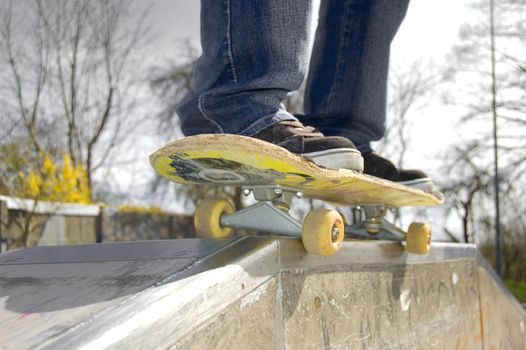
429	30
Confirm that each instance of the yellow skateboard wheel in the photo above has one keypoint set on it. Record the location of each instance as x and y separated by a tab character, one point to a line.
322	232
207	218
418	239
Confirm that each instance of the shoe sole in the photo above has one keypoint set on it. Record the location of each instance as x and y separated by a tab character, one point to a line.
345	158
425	184
337	158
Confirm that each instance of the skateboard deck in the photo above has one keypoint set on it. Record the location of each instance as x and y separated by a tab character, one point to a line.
271	173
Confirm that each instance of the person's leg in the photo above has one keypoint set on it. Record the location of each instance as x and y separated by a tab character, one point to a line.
253	55
346	92
346	89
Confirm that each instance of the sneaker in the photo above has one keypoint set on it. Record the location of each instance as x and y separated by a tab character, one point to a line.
378	166
333	152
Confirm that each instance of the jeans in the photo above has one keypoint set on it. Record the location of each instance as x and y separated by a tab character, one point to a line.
255	53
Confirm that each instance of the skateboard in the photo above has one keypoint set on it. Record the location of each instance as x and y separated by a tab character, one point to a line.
275	177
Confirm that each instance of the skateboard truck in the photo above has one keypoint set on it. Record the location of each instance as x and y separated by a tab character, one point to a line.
369	222
270	213
321	231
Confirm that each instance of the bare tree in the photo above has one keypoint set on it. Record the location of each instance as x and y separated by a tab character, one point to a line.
69	75
488	79
470	75
22	228
410	88
464	191
170	83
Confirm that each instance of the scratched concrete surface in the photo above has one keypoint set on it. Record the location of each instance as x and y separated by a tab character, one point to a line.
253	294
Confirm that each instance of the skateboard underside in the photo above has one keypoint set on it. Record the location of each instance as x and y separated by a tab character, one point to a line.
275	176
242	161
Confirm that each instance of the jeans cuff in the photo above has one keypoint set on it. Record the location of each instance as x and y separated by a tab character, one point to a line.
266	121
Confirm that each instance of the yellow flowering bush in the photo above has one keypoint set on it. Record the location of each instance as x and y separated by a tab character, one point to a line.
138	209
57	182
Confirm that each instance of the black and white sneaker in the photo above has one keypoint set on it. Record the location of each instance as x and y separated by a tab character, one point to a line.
378	166
333	152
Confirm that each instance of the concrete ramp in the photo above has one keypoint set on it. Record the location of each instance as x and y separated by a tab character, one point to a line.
253	293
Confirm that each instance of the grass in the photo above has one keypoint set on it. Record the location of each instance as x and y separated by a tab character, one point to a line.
518	288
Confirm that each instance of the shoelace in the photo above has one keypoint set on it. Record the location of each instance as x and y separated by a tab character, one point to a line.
297	128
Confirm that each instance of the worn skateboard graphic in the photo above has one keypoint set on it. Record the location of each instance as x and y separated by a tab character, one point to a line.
275	176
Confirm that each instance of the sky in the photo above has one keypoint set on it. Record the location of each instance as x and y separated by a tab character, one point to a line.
429	29
428	33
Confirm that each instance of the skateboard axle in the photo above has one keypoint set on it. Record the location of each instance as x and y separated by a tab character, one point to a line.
369	220
335	233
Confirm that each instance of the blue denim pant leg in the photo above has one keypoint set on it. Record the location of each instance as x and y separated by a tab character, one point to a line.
346	89
254	53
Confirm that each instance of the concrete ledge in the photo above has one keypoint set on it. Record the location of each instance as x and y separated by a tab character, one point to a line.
371	252
251	293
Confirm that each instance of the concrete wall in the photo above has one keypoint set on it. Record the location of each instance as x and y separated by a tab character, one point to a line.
122	227
49	229
425	306
386	302
26	224
502	320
